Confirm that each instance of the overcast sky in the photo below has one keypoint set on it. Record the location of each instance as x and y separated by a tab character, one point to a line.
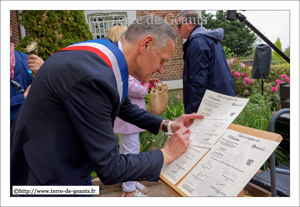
272	24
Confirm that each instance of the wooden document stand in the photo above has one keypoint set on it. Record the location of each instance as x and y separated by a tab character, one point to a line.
173	190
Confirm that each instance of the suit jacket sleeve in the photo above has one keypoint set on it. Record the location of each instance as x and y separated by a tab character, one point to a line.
92	118
133	114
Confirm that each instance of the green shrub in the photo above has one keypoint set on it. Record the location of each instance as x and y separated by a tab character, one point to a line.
149	141
287	52
278	45
257	114
53	30
228	52
94	174
277	70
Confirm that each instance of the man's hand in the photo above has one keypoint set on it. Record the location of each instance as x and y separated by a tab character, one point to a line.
34	63
184	120
27	91
176	145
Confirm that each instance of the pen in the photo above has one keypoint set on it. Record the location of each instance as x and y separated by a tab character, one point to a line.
168	133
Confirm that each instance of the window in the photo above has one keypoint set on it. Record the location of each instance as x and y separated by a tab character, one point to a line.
100	23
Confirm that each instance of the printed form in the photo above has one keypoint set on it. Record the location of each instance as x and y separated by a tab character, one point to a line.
219	112
228	166
175	170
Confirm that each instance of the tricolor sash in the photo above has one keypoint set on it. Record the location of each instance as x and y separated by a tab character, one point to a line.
112	55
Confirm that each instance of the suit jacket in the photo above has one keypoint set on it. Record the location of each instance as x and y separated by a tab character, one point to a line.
64	128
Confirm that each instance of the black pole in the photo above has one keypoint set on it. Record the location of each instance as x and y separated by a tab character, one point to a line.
243	19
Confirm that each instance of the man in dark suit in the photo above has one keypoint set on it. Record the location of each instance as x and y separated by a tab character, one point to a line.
64	128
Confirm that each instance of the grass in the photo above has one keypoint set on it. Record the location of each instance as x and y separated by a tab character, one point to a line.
257	114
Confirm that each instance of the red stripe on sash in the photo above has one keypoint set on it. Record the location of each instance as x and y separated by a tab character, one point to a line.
91	49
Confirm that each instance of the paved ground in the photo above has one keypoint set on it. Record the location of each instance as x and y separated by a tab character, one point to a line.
155	190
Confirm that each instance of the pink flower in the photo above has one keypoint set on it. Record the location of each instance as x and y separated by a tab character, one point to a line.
245	75
283	76
231	60
242	65
247	80
246	91
274	88
287	79
237	74
178	96
231	72
278	82
149	84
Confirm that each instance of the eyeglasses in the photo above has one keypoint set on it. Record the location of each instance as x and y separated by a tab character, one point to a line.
17	86
179	24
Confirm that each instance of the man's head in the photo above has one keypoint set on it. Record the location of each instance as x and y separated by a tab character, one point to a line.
186	22
148	42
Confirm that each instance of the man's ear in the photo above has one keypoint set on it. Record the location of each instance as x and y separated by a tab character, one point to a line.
146	43
190	23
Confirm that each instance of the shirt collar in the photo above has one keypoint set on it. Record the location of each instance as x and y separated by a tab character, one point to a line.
120	46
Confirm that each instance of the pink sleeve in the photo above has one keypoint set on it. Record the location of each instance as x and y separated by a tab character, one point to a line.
136	89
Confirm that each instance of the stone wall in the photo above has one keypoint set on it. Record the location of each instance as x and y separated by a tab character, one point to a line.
15	38
248	62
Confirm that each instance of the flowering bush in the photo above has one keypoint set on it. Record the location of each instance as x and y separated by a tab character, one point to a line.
273	91
243	84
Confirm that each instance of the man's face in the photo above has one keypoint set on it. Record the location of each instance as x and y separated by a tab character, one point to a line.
153	61
183	27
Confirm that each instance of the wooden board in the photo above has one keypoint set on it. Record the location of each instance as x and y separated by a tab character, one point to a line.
174	190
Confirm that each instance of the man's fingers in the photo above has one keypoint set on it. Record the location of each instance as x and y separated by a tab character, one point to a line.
195	116
188	131
182	130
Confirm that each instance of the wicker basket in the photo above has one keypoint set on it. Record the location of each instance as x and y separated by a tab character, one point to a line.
158	99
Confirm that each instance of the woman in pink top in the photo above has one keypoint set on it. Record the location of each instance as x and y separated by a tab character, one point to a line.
129	134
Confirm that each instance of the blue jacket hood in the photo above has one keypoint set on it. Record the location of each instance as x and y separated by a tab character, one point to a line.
217	34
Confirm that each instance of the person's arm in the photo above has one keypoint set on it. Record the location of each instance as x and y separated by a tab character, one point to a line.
16	102
136	89
90	104
198	74
133	114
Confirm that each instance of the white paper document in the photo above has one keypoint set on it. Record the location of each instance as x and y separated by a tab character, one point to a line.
176	170
228	166
219	112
